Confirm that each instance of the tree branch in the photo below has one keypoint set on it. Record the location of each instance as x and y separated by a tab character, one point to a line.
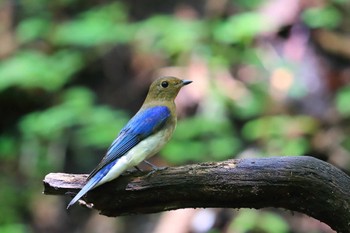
301	183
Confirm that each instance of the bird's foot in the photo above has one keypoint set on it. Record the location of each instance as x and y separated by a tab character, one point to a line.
85	204
154	168
153	171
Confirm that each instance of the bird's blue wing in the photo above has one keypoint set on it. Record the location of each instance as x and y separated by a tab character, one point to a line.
143	124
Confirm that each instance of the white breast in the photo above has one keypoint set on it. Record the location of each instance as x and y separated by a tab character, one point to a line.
143	150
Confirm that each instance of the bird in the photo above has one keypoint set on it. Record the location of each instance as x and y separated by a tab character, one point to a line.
142	137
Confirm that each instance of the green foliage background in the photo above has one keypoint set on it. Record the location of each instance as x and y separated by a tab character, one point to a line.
52	123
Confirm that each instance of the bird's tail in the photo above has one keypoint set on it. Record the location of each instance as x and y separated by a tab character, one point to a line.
88	186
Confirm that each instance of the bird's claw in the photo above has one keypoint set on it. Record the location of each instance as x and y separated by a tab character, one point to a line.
86	204
156	169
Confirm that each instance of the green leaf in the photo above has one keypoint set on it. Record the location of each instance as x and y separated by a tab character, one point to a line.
322	17
222	148
200	139
31	69
279	125
100	25
287	146
251	4
8	148
179	152
14	228
101	127
169	34
245	221
258	221
273	223
240	28
342	101
346	143
52	122
32	28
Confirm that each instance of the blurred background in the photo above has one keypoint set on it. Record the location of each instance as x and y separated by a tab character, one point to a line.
271	77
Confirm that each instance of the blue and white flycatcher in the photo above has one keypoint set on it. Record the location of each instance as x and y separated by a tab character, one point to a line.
142	137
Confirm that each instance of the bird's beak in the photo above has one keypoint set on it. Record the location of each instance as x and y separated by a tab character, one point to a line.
186	82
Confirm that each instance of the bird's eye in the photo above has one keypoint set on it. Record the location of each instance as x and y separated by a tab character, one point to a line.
165	84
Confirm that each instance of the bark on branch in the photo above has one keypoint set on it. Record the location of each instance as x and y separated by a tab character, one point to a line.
301	183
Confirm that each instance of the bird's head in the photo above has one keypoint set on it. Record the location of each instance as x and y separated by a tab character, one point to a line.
165	88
